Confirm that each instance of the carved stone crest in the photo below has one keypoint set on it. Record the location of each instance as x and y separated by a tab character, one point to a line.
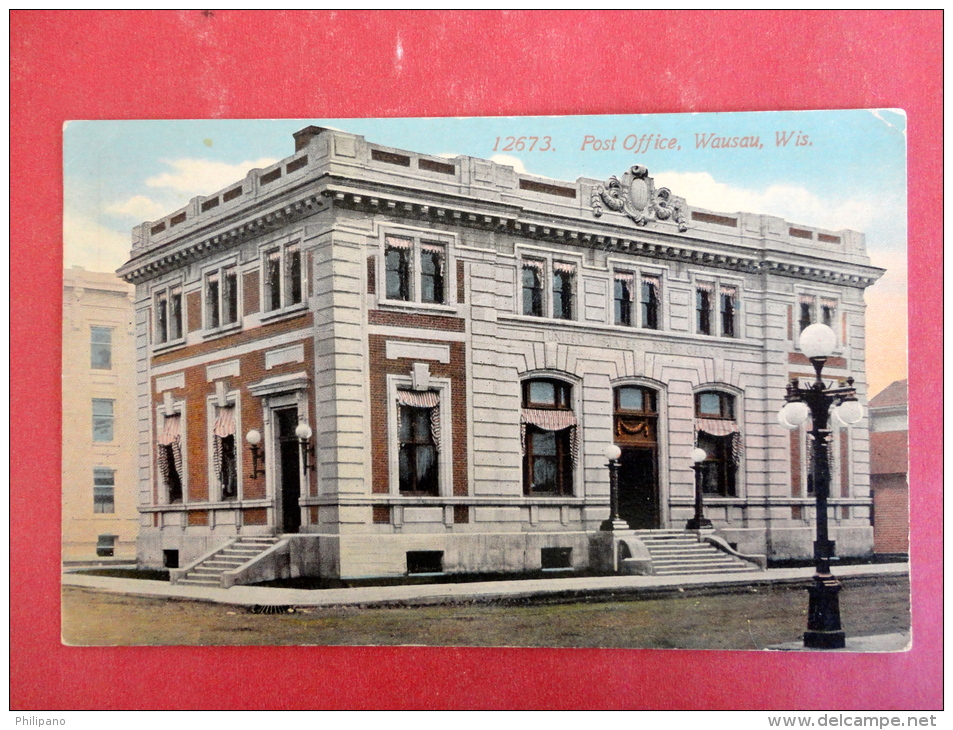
637	197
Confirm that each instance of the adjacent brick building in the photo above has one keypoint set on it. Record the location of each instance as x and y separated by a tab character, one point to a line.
436	352
889	434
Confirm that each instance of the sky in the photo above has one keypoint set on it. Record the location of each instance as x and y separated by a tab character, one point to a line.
830	169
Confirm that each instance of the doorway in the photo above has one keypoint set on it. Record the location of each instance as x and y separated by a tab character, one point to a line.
638	488
289	469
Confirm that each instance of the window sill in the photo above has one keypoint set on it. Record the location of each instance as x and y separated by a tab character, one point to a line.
285	312
227	329
167	346
401	305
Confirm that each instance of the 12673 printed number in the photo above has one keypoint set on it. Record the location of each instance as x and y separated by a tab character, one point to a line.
519	144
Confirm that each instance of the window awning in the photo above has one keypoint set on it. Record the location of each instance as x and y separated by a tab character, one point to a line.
225	423
550	420
716	426
171	430
564	268
429	399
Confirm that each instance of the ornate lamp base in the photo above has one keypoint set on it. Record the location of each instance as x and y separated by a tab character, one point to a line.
699	524
614	525
823	615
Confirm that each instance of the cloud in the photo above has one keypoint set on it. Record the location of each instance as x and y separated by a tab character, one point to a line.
139	207
194	176
883	215
515	162
88	244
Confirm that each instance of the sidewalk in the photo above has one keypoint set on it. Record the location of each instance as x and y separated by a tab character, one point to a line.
555	588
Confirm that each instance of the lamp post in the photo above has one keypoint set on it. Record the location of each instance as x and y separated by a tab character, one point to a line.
699	521
821	402
614	522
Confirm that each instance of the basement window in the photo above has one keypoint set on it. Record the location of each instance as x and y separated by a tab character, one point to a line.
105	546
556	558
424	561
170	558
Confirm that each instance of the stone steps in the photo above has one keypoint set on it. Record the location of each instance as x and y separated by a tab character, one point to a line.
209	572
676	553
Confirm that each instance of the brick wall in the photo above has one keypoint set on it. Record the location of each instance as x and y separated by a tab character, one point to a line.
891	515
455	371
197	391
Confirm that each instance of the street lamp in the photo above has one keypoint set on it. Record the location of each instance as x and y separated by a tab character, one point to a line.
820	402
699	521
614	522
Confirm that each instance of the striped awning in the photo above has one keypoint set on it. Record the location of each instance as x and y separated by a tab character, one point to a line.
704	286
716	426
225	423
429	399
806	299
564	268
395	242
550	420
171	430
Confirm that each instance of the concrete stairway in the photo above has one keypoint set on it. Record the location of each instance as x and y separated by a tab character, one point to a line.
209	571
675	552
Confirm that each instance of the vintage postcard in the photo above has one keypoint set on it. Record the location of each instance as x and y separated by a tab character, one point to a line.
595	381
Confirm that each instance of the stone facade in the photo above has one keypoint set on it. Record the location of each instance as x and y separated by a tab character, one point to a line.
464	341
100	516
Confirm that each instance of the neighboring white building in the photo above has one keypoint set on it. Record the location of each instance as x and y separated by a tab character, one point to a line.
463	341
100	442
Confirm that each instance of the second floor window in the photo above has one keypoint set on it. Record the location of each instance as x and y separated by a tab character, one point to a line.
415	270
168	320
283	276
622	296
221	298
828	312
703	297
564	280
805	311
102	420
650	302
101	348
533	275
728	298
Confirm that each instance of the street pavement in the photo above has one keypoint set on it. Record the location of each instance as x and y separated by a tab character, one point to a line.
436	593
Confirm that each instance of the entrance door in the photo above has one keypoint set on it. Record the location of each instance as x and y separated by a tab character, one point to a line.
289	476
638	488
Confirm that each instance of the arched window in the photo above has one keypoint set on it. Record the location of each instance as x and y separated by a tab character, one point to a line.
549	438
716	432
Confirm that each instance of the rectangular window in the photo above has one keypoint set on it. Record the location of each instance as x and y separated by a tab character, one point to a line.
432	260
293	276
828	312
728	296
397	256
168	307
418	452
806	309
102	420
224	455
104	491
533	287
101	348
212	302
624	283
650	302
105	545
221	298
703	294
272	281
564	277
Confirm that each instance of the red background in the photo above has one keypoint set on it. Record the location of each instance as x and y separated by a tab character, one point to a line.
170	64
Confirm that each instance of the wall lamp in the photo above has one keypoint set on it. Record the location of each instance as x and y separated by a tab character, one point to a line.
253	438
303	432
